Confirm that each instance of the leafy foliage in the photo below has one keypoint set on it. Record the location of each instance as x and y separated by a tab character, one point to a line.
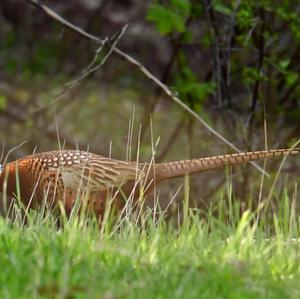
189	87
253	49
171	18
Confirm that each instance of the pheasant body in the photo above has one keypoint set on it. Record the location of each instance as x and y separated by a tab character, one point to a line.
60	175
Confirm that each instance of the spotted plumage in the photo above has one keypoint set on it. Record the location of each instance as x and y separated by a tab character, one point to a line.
60	175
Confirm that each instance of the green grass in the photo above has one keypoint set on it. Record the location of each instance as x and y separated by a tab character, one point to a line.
227	255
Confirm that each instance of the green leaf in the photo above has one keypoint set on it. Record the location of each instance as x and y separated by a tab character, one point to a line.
245	18
291	78
188	86
219	7
283	64
251	74
182	6
166	21
3	102
199	90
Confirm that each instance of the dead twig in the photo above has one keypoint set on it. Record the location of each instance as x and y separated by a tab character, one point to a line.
89	69
92	67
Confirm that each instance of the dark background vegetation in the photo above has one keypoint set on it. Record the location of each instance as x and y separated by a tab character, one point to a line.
236	63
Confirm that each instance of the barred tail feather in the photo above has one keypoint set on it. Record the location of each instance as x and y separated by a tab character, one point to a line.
179	168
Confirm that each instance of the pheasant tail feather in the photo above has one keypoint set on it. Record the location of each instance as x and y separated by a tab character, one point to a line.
179	168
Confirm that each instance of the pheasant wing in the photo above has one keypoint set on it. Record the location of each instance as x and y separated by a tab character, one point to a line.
97	173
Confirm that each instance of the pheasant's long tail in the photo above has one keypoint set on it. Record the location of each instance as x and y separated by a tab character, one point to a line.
179	168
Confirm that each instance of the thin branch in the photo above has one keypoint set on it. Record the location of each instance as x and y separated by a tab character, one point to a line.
145	71
217	54
91	68
88	69
260	63
52	14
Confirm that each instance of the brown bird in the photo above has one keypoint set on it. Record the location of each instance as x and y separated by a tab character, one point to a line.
61	175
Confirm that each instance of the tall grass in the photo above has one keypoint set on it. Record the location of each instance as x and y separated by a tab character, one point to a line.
222	253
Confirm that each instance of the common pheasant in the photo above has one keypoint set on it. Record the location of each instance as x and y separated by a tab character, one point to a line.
59	175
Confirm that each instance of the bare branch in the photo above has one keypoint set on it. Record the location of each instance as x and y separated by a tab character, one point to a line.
88	69
91	67
52	14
